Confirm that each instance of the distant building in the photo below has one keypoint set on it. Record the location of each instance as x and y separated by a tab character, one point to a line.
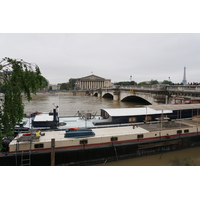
92	82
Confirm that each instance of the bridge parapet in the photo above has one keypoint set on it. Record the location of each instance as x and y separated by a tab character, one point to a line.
160	87
154	94
183	88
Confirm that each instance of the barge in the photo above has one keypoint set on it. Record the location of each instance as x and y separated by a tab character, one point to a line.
102	144
108	117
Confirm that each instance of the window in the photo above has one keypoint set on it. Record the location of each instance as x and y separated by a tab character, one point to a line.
186	131
140	136
83	141
37	146
179	131
132	119
114	139
148	118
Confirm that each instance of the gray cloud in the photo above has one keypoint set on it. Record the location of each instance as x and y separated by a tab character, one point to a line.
117	56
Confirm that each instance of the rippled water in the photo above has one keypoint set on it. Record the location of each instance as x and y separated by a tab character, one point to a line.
69	105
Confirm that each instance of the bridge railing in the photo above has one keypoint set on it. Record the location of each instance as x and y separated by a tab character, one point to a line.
184	88
141	87
195	88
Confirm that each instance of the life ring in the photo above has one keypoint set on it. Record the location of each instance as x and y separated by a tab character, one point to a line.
75	129
25	134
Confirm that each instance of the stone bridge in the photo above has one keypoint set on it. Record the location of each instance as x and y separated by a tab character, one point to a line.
154	94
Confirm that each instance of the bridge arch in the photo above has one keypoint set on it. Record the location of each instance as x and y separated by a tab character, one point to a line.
136	99
95	94
108	95
120	95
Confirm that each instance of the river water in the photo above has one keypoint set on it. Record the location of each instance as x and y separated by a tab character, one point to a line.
69	105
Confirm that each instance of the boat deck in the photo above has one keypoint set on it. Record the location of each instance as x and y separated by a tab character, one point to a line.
126	129
170	125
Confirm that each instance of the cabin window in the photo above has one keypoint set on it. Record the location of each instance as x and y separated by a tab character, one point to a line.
140	136
186	131
114	139
132	119
83	141
179	131
148	118
37	146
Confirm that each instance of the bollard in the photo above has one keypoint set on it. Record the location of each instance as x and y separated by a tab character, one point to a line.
53	152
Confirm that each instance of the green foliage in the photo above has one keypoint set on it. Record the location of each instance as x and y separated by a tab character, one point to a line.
153	82
143	83
72	83
50	88
44	82
167	82
63	86
125	83
17	77
68	86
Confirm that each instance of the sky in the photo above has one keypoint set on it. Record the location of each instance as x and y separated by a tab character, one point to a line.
116	56
116	41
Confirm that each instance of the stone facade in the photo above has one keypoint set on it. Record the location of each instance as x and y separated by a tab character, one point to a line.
92	82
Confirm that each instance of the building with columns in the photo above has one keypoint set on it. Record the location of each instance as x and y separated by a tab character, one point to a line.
92	82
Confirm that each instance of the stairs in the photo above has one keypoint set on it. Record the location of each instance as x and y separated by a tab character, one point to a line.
26	159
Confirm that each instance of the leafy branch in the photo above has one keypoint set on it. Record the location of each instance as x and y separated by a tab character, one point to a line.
17	77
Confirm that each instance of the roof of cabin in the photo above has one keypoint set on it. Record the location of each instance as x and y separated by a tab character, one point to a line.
150	109
43	117
174	106
134	111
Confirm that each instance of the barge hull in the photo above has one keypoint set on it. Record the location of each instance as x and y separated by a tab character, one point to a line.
93	155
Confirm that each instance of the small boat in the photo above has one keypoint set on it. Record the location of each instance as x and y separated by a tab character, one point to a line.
78	133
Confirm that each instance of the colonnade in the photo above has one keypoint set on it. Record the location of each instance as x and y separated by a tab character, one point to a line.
91	84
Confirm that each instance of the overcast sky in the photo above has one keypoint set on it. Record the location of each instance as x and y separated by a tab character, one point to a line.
115	56
111	39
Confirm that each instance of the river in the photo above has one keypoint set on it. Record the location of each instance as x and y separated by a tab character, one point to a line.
69	105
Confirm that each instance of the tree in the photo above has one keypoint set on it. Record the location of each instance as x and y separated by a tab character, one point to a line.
167	82
44	82
63	86
143	83
154	82
17	77
69	85
125	83
72	83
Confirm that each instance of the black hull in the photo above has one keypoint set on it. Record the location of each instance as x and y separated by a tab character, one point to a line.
111	152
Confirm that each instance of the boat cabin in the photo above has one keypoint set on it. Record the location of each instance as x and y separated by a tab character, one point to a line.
147	114
130	115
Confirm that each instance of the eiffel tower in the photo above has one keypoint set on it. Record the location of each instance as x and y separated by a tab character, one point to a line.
184	81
